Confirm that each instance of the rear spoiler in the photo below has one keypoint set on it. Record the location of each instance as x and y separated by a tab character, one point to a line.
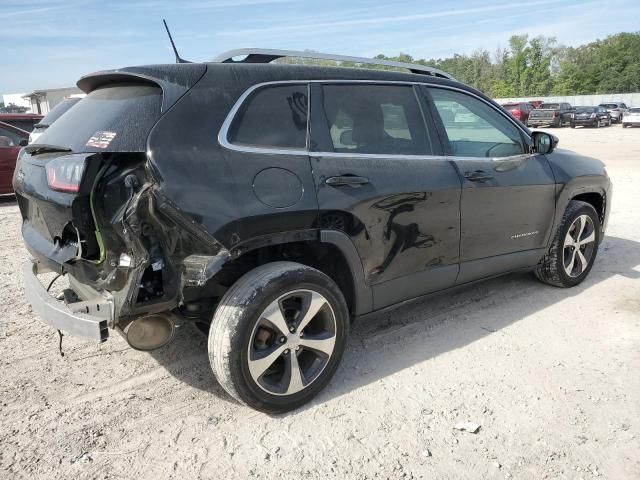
174	80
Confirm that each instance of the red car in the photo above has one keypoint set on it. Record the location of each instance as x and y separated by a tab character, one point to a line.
519	110
11	140
24	121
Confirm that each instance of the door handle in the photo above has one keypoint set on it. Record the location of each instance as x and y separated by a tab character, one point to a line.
346	180
477	175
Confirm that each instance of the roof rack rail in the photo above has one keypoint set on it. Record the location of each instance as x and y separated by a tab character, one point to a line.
265	55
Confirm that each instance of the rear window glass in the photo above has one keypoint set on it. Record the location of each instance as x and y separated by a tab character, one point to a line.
511	105
585	109
274	117
609	105
550	106
57	111
26	124
115	118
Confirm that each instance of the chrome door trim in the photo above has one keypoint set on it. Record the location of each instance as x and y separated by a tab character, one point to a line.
224	130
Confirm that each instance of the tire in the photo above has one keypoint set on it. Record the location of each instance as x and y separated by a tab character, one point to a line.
597	124
241	329
573	126
609	123
625	125
557	268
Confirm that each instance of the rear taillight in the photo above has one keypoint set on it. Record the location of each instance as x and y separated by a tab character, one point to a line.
515	113
64	174
554	114
593	115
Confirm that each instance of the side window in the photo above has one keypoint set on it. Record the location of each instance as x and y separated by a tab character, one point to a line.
272	116
473	128
8	138
375	119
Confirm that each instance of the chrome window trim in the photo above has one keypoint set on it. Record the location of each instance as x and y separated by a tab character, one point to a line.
224	129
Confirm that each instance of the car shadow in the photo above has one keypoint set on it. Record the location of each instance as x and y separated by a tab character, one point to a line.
7	200
366	360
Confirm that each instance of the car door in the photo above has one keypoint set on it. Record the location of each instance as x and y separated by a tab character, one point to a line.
381	180
508	194
9	148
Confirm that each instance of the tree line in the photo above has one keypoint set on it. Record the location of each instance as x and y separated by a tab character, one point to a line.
538	66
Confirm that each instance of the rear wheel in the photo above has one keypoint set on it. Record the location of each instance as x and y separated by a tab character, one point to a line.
278	336
574	247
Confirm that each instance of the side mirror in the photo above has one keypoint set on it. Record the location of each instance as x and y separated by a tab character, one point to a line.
544	142
23	142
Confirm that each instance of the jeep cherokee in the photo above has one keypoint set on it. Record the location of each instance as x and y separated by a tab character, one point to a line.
270	204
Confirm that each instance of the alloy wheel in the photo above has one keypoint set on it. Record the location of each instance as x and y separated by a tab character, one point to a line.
292	342
579	245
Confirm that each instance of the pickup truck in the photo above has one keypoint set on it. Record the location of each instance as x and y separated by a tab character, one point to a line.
552	114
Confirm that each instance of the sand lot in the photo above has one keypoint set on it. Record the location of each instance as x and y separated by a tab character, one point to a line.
551	375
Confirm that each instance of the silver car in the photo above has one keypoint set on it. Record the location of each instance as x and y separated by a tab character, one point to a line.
616	109
631	118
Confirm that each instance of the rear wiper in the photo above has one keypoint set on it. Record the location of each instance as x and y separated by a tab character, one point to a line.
38	148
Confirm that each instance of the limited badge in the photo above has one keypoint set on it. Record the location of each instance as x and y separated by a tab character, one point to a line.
101	139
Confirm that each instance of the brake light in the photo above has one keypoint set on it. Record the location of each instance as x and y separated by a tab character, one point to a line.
515	113
64	174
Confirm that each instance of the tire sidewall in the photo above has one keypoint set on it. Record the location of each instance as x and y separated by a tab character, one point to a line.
585	209
303	278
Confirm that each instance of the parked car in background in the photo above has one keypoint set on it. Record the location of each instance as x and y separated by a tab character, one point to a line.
11	140
519	110
552	114
590	117
52	116
615	109
24	121
631	118
536	103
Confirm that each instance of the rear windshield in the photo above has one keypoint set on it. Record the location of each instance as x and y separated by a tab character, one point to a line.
609	105
115	118
57	112
634	110
22	124
511	105
550	106
585	109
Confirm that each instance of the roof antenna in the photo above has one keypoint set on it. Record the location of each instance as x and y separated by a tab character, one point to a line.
173	45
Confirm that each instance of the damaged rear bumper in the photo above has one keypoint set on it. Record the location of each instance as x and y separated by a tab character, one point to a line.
87	319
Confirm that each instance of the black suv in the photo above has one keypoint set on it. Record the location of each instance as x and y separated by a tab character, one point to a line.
270	204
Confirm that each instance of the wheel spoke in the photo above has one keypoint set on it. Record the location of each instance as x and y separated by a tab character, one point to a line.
273	313
569	268
295	375
314	302
589	238
582	225
324	345
583	261
568	240
259	365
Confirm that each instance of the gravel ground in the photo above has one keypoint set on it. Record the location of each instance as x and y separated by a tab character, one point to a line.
551	375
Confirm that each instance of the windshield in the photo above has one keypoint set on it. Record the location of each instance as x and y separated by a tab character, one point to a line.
57	112
115	118
550	106
609	105
585	109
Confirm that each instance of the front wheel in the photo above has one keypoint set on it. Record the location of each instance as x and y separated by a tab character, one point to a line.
574	247
278	335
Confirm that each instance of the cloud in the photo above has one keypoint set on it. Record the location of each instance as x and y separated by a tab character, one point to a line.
34	10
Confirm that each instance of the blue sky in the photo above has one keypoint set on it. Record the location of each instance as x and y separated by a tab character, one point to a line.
51	43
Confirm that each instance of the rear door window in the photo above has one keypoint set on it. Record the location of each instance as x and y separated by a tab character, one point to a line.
373	119
272	117
473	128
9	138
116	118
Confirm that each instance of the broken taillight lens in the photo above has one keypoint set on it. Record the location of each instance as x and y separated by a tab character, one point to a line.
64	174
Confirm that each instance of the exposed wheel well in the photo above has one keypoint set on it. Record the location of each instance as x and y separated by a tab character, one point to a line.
595	200
323	256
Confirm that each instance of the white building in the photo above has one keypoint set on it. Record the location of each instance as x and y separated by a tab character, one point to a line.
42	101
